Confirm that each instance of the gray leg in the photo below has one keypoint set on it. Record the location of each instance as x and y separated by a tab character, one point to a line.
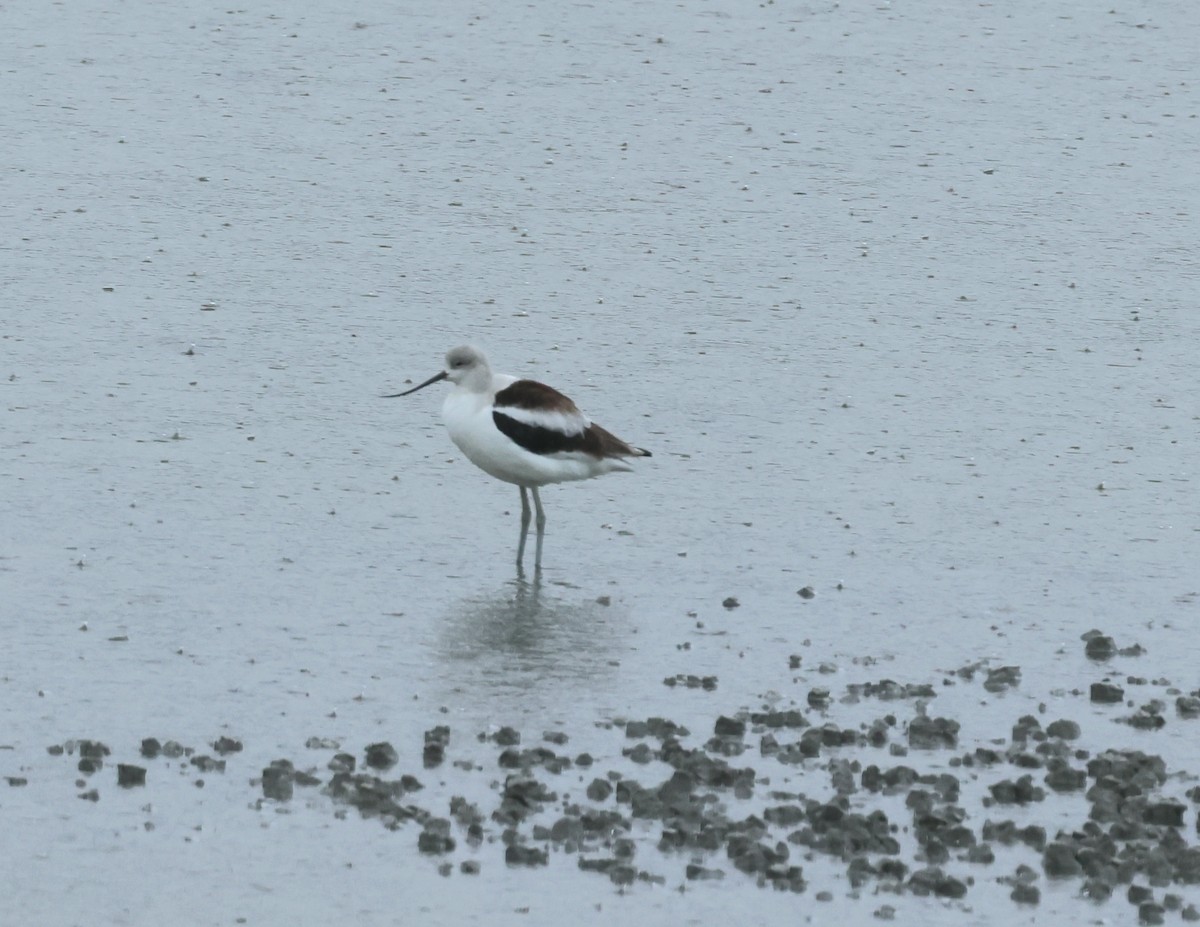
541	527
525	517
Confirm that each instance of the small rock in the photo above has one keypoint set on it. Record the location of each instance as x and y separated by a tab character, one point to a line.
1106	694
381	755
277	783
129	776
1164	814
1059	861
1066	730
599	790
729	727
1101	647
1002	678
930	733
518	855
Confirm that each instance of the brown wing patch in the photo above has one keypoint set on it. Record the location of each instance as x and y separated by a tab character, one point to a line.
530	394
594	441
601	443
538	397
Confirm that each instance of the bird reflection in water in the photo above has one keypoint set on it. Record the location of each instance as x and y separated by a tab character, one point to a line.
523	635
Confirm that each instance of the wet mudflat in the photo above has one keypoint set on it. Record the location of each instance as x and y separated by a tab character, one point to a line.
900	298
880	812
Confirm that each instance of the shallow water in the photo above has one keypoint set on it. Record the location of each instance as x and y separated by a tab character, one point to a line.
901	298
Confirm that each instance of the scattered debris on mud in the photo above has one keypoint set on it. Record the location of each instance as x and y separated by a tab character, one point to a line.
702	806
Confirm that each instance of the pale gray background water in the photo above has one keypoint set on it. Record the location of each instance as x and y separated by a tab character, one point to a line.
890	289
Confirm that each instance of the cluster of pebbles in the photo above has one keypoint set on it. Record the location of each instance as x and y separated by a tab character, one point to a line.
1133	841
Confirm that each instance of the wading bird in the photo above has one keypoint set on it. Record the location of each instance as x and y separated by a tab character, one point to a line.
523	432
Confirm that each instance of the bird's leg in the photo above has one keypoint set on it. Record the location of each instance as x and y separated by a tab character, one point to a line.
525	517
541	528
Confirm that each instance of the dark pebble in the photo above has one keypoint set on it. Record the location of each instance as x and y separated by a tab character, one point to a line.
731	603
931	733
622	874
507	737
469	867
433	755
1064	778
1027	727
1100	647
1067	730
933	881
151	748
1164	814
1002	678
277	783
1150	913
1059	861
1097	889
381	755
435	838
129	776
226	745
599	790
1021	792
207	764
1106	694
1026	894
518	855
729	727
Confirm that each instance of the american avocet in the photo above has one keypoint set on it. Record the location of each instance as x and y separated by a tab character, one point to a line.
523	432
